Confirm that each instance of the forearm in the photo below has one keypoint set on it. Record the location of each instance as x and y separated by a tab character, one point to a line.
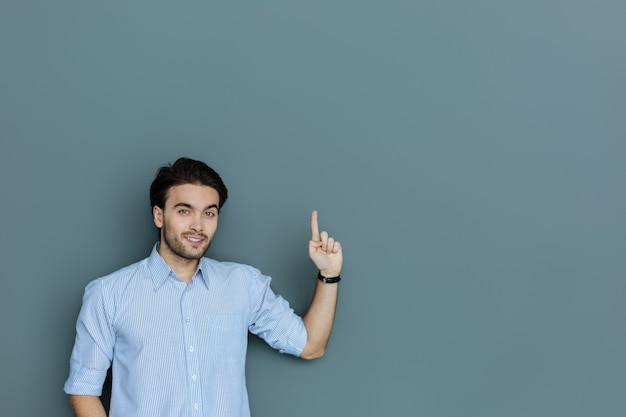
319	320
327	255
87	406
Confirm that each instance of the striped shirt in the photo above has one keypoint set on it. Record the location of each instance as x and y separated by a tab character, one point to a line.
177	349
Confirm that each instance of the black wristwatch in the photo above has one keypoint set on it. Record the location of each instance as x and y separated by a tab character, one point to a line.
330	280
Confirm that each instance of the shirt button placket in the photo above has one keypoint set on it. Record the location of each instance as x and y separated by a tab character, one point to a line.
190	354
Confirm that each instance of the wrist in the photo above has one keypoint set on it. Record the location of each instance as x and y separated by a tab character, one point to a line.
332	272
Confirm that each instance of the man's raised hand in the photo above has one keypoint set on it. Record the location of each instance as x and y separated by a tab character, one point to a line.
325	251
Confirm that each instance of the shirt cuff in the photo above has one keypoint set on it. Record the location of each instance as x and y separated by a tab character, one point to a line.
85	382
296	341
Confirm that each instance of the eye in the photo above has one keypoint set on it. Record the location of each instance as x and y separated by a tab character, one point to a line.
183	211
210	214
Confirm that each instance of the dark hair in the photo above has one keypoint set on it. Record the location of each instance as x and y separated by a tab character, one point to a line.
185	171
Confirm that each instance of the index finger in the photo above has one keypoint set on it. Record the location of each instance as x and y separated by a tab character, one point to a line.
315	231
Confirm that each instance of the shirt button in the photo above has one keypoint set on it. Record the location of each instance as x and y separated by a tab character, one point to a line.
190	348
194	377
187	320
196	406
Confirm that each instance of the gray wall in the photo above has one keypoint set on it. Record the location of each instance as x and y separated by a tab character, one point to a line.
469	155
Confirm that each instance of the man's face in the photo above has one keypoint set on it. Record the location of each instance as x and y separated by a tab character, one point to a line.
188	221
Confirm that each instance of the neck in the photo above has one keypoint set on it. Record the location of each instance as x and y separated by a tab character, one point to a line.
183	268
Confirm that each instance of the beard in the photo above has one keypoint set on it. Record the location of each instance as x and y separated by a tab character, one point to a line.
177	246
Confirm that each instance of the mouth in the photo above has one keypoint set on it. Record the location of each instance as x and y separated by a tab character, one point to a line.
194	239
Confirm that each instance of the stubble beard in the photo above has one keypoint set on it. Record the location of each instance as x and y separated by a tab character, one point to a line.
177	247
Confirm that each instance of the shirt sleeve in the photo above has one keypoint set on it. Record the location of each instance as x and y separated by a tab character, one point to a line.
93	347
276	323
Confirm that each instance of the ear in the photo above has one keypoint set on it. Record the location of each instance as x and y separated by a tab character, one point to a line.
157	214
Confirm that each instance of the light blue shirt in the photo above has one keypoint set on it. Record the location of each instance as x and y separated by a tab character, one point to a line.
177	349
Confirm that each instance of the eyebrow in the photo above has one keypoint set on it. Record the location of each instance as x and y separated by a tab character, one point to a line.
187	205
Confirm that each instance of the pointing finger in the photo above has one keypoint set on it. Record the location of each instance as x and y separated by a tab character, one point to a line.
315	231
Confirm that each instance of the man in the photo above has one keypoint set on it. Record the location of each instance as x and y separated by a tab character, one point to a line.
174	326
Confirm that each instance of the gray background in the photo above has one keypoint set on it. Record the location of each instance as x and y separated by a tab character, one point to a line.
469	156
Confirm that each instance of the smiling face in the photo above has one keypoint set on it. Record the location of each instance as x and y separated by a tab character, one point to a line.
187	222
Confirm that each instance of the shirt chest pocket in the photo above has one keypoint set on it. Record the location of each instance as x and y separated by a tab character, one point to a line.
226	337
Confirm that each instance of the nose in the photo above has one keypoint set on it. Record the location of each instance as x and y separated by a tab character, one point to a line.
196	224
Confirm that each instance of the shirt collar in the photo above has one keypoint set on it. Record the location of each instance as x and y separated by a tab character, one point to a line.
160	270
